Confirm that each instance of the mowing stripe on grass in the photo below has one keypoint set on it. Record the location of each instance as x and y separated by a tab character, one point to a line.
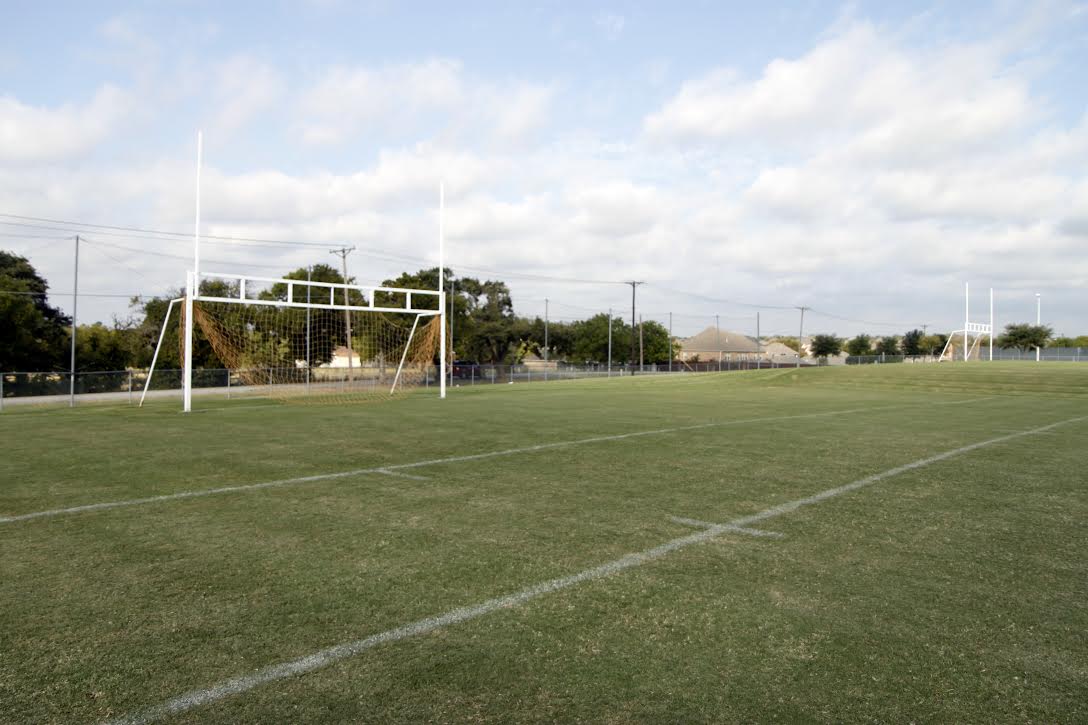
434	461
331	655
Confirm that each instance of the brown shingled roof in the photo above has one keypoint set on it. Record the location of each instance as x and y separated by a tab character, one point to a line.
710	341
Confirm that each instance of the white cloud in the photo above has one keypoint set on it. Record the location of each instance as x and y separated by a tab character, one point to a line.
38	133
611	24
434	98
857	87
244	88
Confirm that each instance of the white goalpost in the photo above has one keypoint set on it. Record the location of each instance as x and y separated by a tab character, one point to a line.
980	330
292	335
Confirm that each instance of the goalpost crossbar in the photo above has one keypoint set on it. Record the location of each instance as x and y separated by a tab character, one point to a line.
245	286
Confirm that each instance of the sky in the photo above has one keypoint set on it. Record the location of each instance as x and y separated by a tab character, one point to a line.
862	159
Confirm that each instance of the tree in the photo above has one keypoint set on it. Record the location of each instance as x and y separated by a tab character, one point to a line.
655	342
932	344
824	346
912	343
101	347
887	346
1024	336
790	342
1080	341
860	345
591	339
34	334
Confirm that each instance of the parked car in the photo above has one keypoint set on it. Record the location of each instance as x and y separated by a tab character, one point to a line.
466	369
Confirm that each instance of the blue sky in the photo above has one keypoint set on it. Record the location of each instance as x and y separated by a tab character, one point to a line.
862	158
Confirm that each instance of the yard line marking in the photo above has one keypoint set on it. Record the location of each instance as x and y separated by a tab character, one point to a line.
336	653
398	474
435	461
735	529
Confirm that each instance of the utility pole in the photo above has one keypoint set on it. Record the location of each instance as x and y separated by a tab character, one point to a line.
1038	320
641	365
545	329
801	334
609	342
344	252
718	341
75	308
633	284
670	342
759	346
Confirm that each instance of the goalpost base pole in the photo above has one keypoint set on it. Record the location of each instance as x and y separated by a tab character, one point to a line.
158	346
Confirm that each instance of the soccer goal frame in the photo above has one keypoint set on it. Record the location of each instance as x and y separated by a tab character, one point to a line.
310	295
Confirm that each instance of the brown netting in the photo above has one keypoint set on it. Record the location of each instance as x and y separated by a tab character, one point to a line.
285	353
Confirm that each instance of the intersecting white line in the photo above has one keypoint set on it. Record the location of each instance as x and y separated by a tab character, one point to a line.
735	529
336	653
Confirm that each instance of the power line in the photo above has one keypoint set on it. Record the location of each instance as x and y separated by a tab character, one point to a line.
158	235
719	300
69	294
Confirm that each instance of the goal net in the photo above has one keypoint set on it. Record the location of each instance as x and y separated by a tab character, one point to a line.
372	344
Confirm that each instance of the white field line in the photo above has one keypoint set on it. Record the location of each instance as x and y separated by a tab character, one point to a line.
336	653
398	474
434	461
727	527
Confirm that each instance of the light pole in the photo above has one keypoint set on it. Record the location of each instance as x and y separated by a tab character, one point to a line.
1038	322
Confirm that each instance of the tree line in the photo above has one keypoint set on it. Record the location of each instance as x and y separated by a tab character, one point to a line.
1017	336
37	336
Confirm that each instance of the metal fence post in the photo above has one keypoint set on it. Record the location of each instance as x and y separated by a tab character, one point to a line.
1	392
228	380
130	386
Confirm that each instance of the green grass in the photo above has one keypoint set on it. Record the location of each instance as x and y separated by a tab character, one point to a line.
956	591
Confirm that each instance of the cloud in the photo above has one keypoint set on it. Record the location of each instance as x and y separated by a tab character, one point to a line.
41	134
857	87
244	88
610	24
429	99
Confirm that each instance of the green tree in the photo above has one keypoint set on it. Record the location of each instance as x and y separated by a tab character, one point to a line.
1081	341
790	342
887	345
655	342
824	346
34	333
591	340
103	347
1024	336
912	343
860	345
932	344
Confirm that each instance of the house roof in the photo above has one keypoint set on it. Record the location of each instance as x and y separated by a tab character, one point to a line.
711	340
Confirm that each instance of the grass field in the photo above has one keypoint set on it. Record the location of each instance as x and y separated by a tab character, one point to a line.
865	558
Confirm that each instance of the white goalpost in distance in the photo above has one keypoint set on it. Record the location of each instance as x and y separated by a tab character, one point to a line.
289	334
980	330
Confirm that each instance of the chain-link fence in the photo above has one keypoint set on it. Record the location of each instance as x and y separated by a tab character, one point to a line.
127	386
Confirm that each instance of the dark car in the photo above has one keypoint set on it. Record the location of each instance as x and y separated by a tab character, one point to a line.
466	369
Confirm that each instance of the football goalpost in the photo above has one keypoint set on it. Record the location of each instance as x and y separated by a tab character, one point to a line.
299	339
971	346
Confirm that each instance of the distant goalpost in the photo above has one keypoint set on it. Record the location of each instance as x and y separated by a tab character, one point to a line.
300	339
979	330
